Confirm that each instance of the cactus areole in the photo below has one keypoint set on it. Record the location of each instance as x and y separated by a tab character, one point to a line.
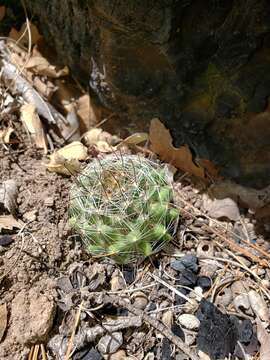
121	206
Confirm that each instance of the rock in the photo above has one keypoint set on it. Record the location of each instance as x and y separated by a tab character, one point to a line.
140	300
32	314
110	343
189	321
30	215
204	282
186	262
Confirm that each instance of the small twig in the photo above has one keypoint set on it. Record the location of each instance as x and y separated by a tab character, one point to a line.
43	352
170	287
76	323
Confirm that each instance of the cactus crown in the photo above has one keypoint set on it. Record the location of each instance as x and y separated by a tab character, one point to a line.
121	206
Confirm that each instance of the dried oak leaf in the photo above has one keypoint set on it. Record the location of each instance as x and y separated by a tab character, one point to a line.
41	66
22	35
9	222
161	144
219	208
66	160
34	125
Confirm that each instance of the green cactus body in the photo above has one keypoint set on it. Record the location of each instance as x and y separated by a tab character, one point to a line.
122	207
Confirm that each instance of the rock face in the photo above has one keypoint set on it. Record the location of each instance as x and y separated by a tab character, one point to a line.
203	67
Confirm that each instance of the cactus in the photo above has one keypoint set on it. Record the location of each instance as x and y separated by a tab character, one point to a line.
122	207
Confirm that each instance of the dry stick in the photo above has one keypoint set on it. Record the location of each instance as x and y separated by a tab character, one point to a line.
170	287
117	301
70	342
43	352
35	354
231	243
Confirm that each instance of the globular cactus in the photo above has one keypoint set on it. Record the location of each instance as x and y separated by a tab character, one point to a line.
121	206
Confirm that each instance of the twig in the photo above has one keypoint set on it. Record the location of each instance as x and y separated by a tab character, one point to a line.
43	352
170	287
76	323
160	327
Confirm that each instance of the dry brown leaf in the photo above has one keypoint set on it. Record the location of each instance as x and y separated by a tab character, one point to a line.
219	208
66	160
16	35
3	320
9	222
33	124
41	66
5	135
2	12
211	169
102	140
161	144
264	339
248	197
87	112
8	195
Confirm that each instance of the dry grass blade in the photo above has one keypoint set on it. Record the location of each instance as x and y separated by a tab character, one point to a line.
71	339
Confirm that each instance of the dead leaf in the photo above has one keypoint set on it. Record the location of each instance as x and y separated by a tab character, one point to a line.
2	12
102	140
264	339
33	124
8	195
5	135
210	168
249	197
9	222
258	305
161	144
66	160
23	34
3	320
41	66
219	208
136	138
87	112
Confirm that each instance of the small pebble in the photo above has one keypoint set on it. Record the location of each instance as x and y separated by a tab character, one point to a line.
110	343
189	321
188	261
140	300
204	282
